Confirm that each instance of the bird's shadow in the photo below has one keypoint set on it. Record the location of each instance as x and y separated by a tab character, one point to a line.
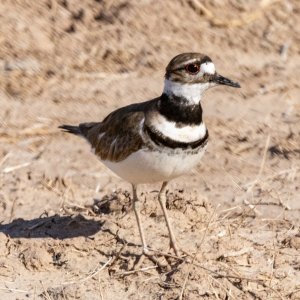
56	227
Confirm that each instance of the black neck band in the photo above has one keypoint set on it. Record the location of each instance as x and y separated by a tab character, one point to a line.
161	140
176	109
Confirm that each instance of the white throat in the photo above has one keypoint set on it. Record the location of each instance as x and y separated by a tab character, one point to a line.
191	92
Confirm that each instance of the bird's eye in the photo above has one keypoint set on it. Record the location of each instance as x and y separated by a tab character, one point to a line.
192	68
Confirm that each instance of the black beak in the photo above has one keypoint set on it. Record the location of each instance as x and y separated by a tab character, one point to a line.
223	80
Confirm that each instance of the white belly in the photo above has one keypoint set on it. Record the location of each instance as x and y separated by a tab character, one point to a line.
147	167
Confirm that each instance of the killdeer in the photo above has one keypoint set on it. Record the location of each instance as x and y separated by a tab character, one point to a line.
160	139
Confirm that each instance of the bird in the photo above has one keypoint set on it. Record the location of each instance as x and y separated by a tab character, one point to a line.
159	139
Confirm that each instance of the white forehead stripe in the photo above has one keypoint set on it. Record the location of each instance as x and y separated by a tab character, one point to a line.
207	68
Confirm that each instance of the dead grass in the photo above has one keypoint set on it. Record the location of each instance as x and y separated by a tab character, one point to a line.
66	228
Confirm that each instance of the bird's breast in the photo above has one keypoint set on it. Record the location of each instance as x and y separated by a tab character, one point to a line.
149	166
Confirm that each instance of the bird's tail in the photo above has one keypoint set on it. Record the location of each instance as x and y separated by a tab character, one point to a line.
70	129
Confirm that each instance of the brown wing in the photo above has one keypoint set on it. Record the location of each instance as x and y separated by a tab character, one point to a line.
119	134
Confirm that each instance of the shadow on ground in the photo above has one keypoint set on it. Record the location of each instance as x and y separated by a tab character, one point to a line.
56	227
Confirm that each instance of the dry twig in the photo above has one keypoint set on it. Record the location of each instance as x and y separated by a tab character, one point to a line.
91	274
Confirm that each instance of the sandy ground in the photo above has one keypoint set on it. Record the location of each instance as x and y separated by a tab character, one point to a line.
67	230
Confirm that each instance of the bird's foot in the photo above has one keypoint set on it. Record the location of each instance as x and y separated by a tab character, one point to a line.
157	258
174	246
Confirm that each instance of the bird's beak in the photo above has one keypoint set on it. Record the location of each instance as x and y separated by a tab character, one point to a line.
218	79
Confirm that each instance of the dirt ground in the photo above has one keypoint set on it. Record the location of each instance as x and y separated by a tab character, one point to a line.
67	229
